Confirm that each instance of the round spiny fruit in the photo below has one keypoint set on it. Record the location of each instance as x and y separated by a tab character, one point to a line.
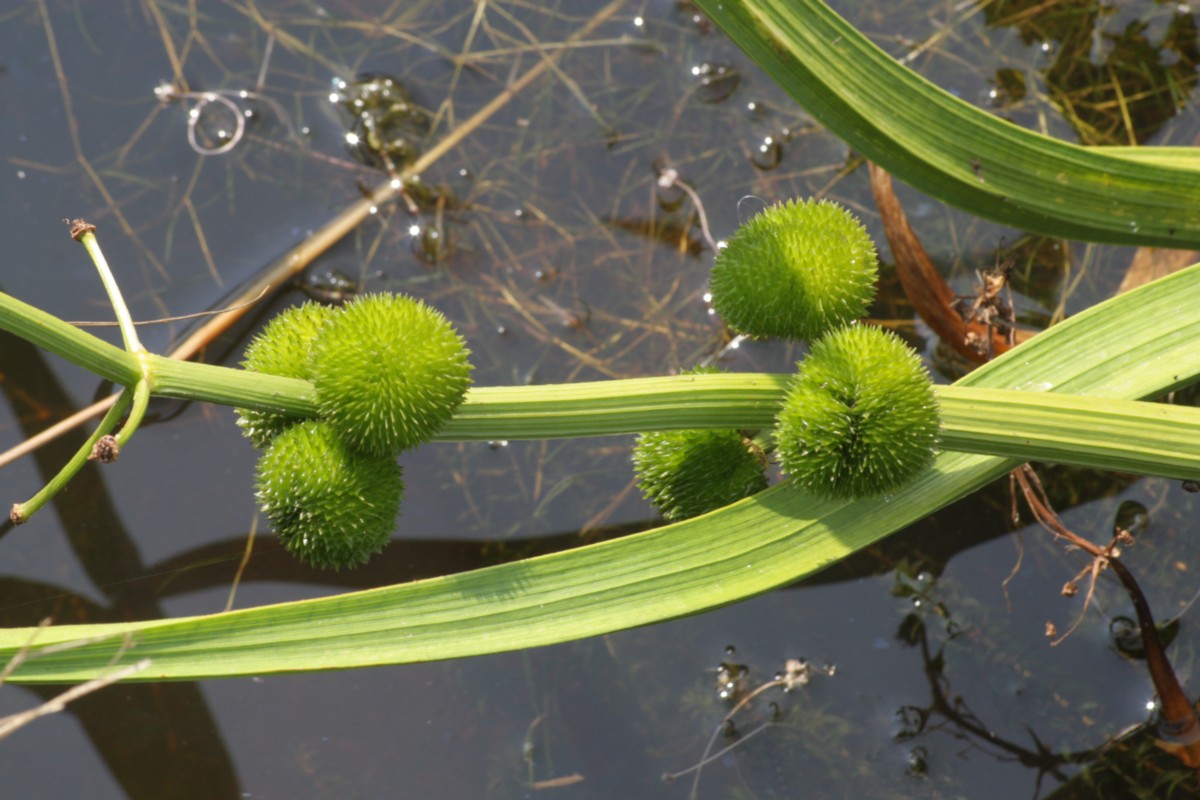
795	270
860	418
332	506
689	473
389	372
283	348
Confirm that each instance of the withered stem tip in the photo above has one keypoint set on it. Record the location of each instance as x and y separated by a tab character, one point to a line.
79	227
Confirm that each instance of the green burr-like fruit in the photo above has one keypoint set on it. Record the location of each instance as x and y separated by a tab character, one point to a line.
860	418
283	347
689	473
389	372
332	506
795	270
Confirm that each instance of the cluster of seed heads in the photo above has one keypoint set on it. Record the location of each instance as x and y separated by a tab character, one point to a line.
389	372
860	418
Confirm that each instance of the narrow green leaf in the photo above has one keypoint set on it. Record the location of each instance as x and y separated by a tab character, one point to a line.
954	151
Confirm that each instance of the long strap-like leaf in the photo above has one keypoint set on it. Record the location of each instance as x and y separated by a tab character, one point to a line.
956	152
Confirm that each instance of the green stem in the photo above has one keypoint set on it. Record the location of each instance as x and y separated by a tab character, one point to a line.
141	399
1041	426
51	333
21	512
85	235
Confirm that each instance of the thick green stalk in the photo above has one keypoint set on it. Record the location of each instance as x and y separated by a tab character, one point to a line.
1120	435
1030	425
188	380
52	334
1117	435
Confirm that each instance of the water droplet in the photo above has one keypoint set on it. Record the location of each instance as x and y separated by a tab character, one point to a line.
768	154
717	81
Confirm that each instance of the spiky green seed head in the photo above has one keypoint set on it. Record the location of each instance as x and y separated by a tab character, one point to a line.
332	506
689	473
283	347
795	270
389	372
860	418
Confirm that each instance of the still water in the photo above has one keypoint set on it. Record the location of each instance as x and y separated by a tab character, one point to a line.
548	238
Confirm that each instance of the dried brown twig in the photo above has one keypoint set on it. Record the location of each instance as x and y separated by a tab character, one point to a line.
1178	717
14	722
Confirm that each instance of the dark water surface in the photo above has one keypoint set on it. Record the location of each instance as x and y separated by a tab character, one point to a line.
546	239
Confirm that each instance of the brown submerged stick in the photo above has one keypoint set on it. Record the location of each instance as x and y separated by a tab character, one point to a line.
931	296
1178	717
305	252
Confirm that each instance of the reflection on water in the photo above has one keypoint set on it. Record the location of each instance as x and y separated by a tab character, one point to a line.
546	237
